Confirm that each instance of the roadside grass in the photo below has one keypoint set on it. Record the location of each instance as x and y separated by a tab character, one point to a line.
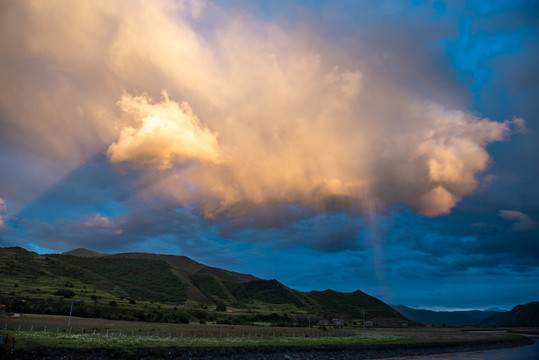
39	340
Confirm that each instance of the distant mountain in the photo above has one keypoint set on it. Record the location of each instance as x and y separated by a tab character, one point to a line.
449	318
129	285
520	315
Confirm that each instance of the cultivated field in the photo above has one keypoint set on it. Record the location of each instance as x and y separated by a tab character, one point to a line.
58	324
35	331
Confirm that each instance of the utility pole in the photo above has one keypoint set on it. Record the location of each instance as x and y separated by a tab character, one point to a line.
364	331
70	311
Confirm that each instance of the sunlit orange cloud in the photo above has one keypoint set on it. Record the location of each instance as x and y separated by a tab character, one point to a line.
167	130
226	112
430	168
98	221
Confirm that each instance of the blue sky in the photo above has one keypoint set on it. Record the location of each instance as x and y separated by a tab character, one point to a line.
385	146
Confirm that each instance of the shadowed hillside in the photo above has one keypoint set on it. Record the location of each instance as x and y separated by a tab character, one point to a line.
150	287
352	304
186	264
269	291
141	279
520	315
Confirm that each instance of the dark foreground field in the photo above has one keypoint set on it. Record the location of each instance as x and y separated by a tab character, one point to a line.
321	352
47	337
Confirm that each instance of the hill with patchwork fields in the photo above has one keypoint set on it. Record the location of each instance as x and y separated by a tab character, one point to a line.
154	287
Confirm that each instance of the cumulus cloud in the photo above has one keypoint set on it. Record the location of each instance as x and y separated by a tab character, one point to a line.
521	221
251	114
168	131
430	163
98	221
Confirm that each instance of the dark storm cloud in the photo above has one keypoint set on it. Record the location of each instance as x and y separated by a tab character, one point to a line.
292	226
140	228
326	233
462	242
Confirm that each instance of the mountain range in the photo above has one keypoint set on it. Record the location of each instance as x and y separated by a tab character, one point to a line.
144	286
155	287
520	315
448	318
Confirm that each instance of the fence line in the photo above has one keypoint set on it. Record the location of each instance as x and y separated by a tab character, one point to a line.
195	334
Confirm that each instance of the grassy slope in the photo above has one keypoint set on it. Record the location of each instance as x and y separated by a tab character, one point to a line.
268	291
100	280
198	277
31	273
241	289
141	279
29	281
192	267
352	304
211	287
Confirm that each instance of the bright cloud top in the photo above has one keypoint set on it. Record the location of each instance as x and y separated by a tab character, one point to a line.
167	130
251	113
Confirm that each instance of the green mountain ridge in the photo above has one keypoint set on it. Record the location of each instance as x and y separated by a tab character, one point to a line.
346	304
154	287
189	265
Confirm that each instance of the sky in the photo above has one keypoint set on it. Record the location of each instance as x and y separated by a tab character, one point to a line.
386	146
